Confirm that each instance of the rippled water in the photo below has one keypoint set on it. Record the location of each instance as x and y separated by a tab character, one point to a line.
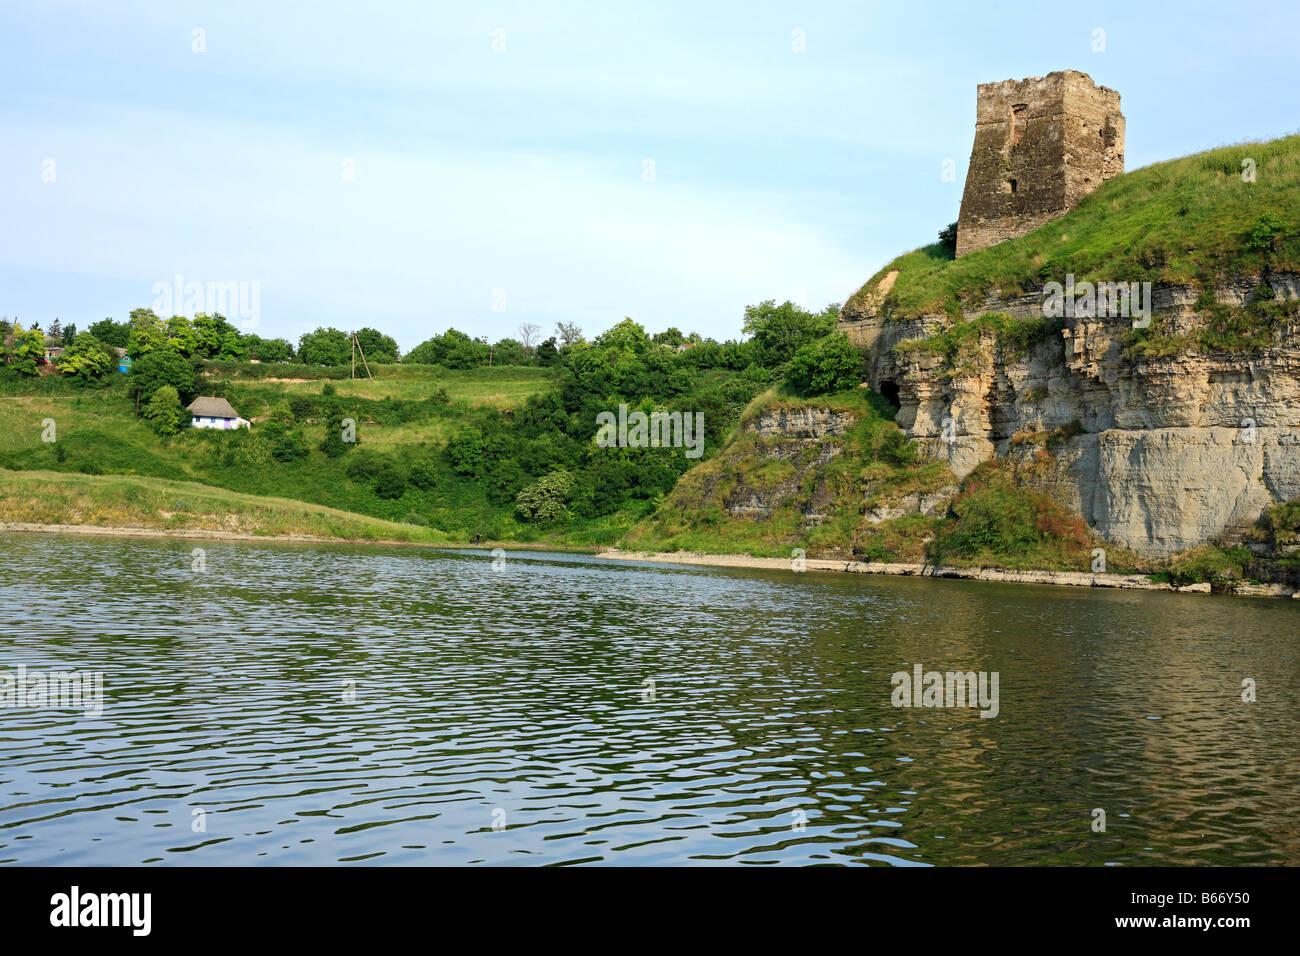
301	705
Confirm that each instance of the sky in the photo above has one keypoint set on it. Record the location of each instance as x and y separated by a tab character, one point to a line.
415	166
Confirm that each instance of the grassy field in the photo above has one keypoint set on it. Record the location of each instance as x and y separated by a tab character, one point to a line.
506	387
404	418
399	415
156	504
78	411
1188	221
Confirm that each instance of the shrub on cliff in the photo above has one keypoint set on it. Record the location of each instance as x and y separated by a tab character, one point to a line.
995	522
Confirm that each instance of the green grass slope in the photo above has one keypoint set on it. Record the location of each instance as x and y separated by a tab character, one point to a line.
156	504
1187	221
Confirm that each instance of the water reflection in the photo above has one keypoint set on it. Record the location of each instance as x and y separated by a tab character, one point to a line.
319	704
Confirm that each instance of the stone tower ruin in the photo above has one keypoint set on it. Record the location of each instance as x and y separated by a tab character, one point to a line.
1041	145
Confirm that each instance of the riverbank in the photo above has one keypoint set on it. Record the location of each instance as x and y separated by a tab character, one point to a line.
1138	582
212	534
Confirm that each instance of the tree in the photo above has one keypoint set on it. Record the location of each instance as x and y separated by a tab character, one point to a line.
56	329
528	335
213	333
627	336
671	337
158	369
164	411
545	499
69	333
325	347
424	474
182	337
453	348
86	359
948	240
827	365
568	332
379	348
508	352
290	447
269	350
467	353
28	349
547	353
781	330
233	346
147	333
112	333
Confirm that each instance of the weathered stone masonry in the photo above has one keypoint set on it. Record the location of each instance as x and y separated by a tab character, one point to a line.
1041	145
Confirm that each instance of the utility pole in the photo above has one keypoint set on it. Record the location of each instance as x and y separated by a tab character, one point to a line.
357	345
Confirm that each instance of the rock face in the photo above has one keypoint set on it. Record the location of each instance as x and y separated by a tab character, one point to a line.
1041	145
1158	454
809	422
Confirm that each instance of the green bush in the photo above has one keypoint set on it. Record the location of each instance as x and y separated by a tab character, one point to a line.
545	499
827	365
290	446
334	443
302	407
390	482
424	474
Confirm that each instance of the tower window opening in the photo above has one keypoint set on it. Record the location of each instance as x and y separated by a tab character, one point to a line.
1019	120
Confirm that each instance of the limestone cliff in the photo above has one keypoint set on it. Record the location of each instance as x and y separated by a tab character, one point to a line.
829	474
1157	452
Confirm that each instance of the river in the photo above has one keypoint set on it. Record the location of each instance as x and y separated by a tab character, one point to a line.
286	704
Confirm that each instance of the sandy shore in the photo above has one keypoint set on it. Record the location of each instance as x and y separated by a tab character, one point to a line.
200	534
113	531
1139	582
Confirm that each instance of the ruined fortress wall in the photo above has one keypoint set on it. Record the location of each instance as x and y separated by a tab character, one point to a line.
1041	145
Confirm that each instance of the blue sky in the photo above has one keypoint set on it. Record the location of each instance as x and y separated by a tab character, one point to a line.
496	188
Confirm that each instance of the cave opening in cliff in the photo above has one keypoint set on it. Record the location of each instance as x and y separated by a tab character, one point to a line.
890	391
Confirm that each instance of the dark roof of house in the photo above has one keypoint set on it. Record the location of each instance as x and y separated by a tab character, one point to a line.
208	406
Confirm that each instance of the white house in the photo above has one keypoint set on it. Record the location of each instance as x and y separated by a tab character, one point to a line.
208	411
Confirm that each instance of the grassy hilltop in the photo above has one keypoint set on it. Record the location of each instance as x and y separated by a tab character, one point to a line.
1191	221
